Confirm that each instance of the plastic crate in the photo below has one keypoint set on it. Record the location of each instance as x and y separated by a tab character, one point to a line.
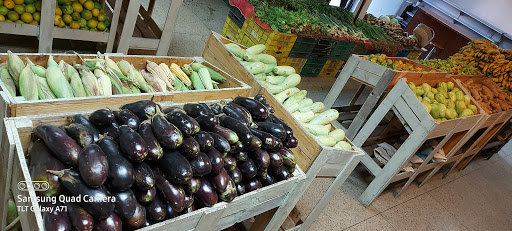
414	55
403	53
297	63
323	48
313	67
236	16
303	47
342	50
278	44
331	68
231	30
359	49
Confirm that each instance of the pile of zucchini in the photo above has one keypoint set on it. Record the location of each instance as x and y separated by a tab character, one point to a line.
140	165
282	81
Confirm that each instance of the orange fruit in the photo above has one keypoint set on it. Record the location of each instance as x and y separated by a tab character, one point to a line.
95	12
19	2
13	16
58	11
74	25
34	22
37	16
67	18
9	4
27	17
77	7
2	18
92	23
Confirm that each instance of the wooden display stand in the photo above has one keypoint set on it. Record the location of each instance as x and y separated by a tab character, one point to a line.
375	76
421	128
147	35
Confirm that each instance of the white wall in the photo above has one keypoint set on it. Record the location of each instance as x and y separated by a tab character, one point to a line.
380	7
495	12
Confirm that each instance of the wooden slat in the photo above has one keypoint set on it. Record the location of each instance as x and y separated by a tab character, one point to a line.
366	77
7	148
170	23
341	81
149	20
128	26
144	43
46	26
84	35
113	26
19	29
142	25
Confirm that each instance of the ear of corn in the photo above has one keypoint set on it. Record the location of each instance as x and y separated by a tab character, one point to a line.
89	81
196	81
7	80
141	83
64	68
124	66
76	82
51	62
117	85
157	84
178	85
205	78
172	78
16	65
36	69
157	72
56	80
180	74
187	69
104	84
110	63
135	90
28	84
43	89
126	89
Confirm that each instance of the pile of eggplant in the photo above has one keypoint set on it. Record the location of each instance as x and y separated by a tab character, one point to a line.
142	164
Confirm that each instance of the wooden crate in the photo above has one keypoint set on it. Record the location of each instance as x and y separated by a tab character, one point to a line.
315	159
421	127
218	217
375	76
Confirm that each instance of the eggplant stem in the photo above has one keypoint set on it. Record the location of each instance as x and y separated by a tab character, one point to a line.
57	173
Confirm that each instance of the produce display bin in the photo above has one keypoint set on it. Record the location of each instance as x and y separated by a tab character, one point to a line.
222	215
331	68
313	67
342	50
420	127
314	158
231	30
297	63
303	47
375	76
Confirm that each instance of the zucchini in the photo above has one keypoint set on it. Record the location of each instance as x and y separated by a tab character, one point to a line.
303	117
250	57
295	98
245	63
256	49
292	108
284	70
267	59
290	81
213	74
316	129
315	107
337	134
275	79
282	96
235	49
196	81
326	140
261	76
256	67
343	145
269	67
305	102
325	117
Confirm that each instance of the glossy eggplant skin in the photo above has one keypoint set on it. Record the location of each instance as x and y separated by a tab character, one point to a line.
229	163
230	192
207	122
142	108
120	171
111	223
192	186
274	129
268	141
221	144
102	118
80	133
219	181
287	129
189	200
243	132
274	171
125	204
262	159
248	168
145	196
80	219
132	144
254	145
283	175
155	151
236	112
171	109
216	160
176	167
173	193
288	158
93	166
56	220
206	193
41	159
236	147
171	213
112	131
190	147
260	98
201	165
137	219
205	141
275	159
240	156
269	108
127	117
291	142
186	124
268	180
240	189
252	184
216	108
257	109
236	175
80	119
144	177
197	109
99	209
62	146
156	210
227	133
168	135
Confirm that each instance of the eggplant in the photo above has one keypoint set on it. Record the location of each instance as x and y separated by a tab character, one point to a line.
240	156
111	223
168	135
176	167
189	200
229	163
260	98
243	132
112	131
262	159
275	159
230	192
82	134
137	219
172	109
80	119
257	109
269	108
147	222
216	108
227	133
248	168
274	170
41	159
288	158
205	141
120	171
145	196
283	175
62	146
156	210
201	165
291	142
240	189
56	220
197	109
263	174
221	144
102	118
93	166
125	204
268	180
216	160
237	112
127	117
153	148
206	193
236	147
173	193
190	147
207	122
254	145
236	175
144	177
143	108
99	209
287	129
186	124
274	129
192	186
219	181
268	141
252	184
80	219
171	213
132	144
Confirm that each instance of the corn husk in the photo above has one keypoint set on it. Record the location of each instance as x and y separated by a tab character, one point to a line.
141	83
156	83
28	84
7	80
56	80
135	90
117	85
43	89
76	82
104	83
36	69
15	66
125	67
64	68
89	81
110	63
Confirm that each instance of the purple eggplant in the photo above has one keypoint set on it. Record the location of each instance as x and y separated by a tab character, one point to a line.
145	196
173	193
240	156
268	180
189	200
220	143
275	159
227	133
254	145
291	142
190	147
137	219
288	158
260	98
120	170
125	204
41	159
156	210
102	118
277	130
252	184
205	141
171	213
219	181
230	192
111	223
262	159
243	132
268	141
93	166
192	185
80	219
144	177
238	112
257	109
80	119
236	175
62	146
168	135
283	175
186	124
287	129
82	134
248	168
172	109
240	189
132	144
236	147
153	148
176	167
201	165
197	109
112	131
229	163
206	193
56	220
207	122
216	108
216	160
127	117
142	108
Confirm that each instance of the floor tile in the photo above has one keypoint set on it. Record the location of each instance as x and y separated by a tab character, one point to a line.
189	23
377	223
187	45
